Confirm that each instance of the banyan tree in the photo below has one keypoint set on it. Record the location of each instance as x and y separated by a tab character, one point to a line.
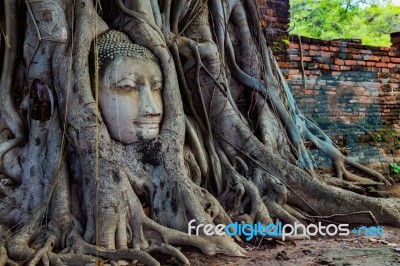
122	120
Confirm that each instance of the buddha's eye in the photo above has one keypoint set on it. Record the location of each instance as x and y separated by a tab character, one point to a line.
126	85
126	88
157	87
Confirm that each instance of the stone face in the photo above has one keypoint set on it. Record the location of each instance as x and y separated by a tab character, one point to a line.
130	84
130	99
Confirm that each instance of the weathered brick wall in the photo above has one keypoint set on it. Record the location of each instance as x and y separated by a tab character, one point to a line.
347	83
275	16
350	88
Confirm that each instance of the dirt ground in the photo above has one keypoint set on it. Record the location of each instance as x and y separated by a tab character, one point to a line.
340	251
366	251
316	251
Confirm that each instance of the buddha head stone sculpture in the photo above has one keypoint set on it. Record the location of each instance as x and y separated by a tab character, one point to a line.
130	84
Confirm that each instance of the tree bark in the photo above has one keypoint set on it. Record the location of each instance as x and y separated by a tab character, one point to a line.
71	194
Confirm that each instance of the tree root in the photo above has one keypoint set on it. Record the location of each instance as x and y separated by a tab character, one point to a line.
42	253
352	186
240	186
326	146
368	213
3	255
208	245
80	246
79	251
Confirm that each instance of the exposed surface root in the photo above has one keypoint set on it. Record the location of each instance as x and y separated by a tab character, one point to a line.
42	253
217	160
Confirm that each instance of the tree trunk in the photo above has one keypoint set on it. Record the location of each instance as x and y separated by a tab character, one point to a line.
71	193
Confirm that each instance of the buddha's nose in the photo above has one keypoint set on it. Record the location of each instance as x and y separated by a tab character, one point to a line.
148	106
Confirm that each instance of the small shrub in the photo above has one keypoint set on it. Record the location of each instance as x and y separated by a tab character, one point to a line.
395	168
397	144
378	138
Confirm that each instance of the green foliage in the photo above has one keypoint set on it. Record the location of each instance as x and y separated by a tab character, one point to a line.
378	138
369	20
395	168
397	144
279	45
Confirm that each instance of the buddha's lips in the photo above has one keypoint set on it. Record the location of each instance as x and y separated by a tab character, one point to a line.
147	123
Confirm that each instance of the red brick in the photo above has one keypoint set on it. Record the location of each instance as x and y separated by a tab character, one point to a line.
395	60
390	98
371	63
361	63
325	54
324	66
282	64
339	62
366	52
294	58
335	67
394	85
314	47
270	12
353	50
312	53
293	71
372	58
293	77
390	65
272	19
345	68
385	59
350	62
334	49
381	65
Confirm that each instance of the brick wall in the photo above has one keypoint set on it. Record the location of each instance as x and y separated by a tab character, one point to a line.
275	16
350	88
347	83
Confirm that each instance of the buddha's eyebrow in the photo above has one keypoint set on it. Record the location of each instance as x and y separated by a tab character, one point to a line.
125	79
157	80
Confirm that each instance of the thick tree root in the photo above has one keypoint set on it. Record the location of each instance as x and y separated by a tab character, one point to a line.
252	181
42	253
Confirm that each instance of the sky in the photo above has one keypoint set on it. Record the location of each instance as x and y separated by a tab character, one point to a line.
396	2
